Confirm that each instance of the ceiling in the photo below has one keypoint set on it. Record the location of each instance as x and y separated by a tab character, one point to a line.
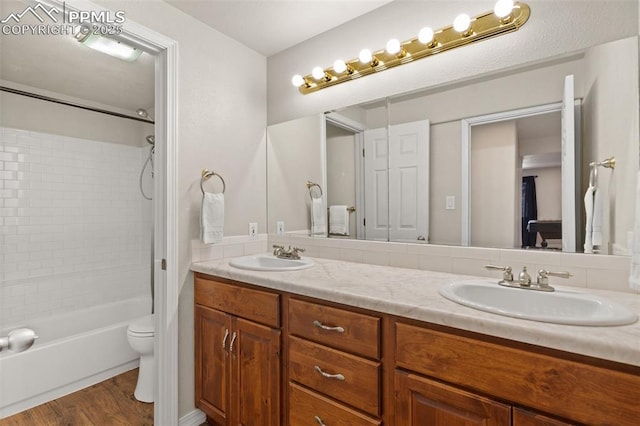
271	26
63	66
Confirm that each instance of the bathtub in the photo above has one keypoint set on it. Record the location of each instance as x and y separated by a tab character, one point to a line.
74	350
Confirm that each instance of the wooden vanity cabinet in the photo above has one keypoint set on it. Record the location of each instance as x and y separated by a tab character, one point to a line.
334	368
237	350
579	389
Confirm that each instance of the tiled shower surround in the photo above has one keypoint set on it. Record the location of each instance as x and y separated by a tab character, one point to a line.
75	231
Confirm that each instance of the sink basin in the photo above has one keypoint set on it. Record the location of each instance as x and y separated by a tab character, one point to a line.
266	262
559	307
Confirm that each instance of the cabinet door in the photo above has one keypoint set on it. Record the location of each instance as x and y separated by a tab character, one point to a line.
212	337
527	418
255	375
424	402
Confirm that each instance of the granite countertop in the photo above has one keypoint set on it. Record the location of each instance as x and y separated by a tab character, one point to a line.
414	294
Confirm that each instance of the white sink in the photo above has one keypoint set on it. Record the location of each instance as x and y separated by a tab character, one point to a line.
559	307
265	262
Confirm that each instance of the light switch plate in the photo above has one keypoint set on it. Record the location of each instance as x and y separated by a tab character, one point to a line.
450	203
280	227
253	230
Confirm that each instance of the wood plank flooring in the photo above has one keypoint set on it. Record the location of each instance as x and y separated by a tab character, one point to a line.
109	403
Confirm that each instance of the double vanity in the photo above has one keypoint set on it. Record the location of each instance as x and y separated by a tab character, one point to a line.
338	343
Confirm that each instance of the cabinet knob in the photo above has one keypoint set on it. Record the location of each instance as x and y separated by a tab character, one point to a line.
327	375
328	328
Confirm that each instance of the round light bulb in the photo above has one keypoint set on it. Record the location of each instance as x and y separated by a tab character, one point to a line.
462	23
503	8
393	46
317	73
297	80
365	56
339	66
425	36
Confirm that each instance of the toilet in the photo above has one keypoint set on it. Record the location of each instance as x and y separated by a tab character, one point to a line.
140	335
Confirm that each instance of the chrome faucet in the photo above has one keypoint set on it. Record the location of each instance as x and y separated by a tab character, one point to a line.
290	253
524	280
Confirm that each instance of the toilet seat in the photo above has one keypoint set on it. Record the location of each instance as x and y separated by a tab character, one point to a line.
142	327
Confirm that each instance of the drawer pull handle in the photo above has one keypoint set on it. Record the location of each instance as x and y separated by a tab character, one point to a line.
224	339
319	421
328	328
327	375
233	339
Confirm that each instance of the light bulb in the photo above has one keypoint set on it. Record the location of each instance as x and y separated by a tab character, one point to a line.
297	80
461	23
393	46
365	56
503	8
425	36
317	73
339	66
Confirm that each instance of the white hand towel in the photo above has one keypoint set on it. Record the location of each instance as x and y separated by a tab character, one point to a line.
596	223
212	218
318	217
588	207
338	220
634	276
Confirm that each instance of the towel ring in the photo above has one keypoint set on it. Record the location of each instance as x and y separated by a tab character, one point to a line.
206	174
311	185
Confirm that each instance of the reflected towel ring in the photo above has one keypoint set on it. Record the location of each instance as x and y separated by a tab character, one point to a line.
206	174
311	185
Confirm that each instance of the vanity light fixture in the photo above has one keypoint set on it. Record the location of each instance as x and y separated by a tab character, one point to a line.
506	17
107	45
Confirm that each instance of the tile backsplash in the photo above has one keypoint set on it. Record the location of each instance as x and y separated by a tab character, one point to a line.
605	272
75	231
229	247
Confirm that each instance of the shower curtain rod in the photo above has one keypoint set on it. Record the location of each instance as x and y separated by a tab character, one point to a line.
72	104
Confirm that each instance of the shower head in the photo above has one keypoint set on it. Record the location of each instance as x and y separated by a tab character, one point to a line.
151	139
142	113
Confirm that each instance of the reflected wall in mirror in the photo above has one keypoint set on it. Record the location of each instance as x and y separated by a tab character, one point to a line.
608	127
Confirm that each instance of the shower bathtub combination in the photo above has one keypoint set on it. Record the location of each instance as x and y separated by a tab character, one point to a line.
74	350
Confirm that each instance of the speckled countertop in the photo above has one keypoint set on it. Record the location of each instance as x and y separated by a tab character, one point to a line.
414	294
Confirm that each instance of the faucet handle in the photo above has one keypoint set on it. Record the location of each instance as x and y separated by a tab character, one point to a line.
507	271
543	276
299	250
275	246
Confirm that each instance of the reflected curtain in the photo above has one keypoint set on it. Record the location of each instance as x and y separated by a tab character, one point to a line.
529	210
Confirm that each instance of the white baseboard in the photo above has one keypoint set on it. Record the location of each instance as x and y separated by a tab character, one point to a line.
194	418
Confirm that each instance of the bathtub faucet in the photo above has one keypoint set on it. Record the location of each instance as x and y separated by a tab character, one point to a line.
18	340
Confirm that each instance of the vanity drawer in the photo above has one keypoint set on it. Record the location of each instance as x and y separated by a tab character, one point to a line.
256	305
309	408
565	387
360	386
338	328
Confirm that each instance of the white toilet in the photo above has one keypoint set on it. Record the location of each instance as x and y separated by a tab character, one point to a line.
140	335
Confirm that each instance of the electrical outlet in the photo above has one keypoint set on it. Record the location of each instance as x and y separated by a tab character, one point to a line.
280	227
253	230
450	203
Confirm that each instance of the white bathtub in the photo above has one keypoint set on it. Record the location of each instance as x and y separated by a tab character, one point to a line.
74	350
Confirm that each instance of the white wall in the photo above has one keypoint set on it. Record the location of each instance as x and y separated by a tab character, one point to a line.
341	172
295	157
221	126
494	151
613	91
554	29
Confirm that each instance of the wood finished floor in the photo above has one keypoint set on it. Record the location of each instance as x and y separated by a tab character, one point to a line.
105	404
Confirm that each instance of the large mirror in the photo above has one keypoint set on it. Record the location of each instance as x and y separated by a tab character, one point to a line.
493	162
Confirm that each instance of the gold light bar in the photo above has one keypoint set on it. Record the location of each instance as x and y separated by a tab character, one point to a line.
482	27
